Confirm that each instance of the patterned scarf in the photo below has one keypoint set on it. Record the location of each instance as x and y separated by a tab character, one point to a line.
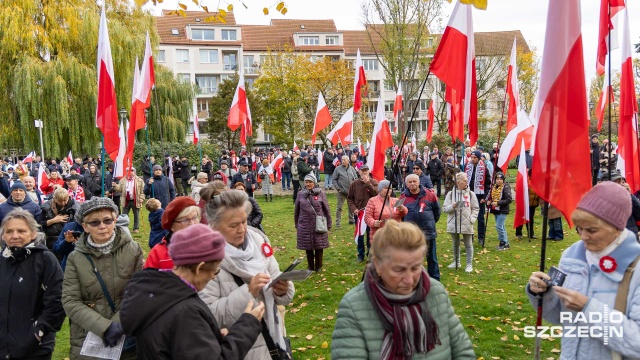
478	183
496	195
409	326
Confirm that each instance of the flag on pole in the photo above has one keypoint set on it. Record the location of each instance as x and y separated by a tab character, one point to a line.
295	146
239	111
512	90
605	97
359	82
321	160
431	114
454	64
361	226
380	142
137	112
70	158
277	161
29	157
118	168
608	27
323	118
559	176
146	82
456	124
397	107
196	130
360	148
522	190
107	108
42	176
343	131
628	155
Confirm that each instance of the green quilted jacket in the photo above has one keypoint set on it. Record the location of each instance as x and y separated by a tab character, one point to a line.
358	333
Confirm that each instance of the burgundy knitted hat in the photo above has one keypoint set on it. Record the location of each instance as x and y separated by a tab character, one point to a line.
174	209
196	244
608	201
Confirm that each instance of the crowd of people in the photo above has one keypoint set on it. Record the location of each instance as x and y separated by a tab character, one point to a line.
208	287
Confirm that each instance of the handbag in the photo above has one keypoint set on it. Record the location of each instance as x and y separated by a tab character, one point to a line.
321	221
129	341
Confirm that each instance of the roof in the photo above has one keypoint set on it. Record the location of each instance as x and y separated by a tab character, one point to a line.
280	34
166	22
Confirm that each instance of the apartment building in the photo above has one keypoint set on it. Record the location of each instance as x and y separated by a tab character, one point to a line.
207	53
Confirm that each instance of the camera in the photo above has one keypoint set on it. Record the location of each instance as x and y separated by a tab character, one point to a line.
76	234
557	277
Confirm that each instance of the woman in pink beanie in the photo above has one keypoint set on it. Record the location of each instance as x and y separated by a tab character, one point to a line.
599	279
163	311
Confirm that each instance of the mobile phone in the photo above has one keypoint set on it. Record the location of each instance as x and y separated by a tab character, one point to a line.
557	277
76	234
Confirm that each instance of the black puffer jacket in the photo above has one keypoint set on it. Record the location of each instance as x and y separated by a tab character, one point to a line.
502	206
54	230
170	321
30	302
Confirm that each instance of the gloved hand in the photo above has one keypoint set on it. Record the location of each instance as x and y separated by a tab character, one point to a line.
113	334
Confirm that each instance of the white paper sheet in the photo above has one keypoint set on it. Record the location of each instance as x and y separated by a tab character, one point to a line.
93	346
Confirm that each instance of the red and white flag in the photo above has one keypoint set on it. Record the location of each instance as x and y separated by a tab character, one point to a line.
397	107
628	155
560	175
277	161
360	148
608	28
606	97
323	118
431	114
380	142
454	63
239	111
137	112
196	130
107	108
361	226
120	164
295	146
343	131
29	157
454	113
146	82
519	126
321	159
42	176
70	158
359	82
522	190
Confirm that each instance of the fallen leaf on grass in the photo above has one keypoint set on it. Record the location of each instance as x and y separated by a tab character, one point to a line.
309	337
499	329
555	350
504	338
324	345
516	337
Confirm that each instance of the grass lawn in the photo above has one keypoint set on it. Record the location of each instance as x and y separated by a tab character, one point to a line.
490	302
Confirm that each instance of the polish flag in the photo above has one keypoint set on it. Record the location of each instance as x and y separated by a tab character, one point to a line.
628	155
360	148
29	157
321	160
70	158
359	82
323	118
239	111
146	83
107	108
606	96
559	176
519	126
277	161
343	131
380	142
431	114
454	113
137	112
361	226
454	64
196	130
608	28
522	191
295	146
118	168
42	178
397	107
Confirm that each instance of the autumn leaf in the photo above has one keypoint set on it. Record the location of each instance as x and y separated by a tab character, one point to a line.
265	11
324	345
196	2
211	19
230	7
183	6
516	337
205	8
280	6
555	350
504	338
283	11
182	13
222	12
222	19
309	337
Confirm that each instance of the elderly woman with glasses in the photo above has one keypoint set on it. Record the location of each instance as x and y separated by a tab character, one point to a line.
97	271
247	272
181	213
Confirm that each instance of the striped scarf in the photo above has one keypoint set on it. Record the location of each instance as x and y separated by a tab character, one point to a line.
409	326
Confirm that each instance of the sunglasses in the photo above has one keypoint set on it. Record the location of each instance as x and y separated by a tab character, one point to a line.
416	168
96	223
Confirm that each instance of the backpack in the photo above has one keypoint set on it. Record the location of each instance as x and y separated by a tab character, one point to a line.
294	168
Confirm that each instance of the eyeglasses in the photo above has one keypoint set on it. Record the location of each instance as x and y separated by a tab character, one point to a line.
96	223
416	168
183	222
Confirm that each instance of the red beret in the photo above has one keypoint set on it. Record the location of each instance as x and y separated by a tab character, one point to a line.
174	209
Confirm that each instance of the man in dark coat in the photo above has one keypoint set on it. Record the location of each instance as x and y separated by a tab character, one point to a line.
160	187
424	211
56	213
327	159
595	159
245	176
92	183
145	168
18	198
207	168
435	168
185	174
360	191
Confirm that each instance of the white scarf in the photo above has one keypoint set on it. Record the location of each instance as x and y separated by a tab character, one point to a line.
593	258
131	188
253	261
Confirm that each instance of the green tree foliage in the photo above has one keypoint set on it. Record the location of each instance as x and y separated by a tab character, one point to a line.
191	151
48	61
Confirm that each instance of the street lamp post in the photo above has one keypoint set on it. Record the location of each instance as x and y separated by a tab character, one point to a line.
38	124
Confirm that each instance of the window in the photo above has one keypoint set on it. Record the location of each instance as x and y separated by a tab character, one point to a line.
184	78
424	104
481	64
370	64
230	61
316	58
160	56
203	105
208	56
309	40
182	56
429	42
332	40
224	77
202	34
249	82
175	32
388	106
228	35
208	84
388	85
371	107
374	85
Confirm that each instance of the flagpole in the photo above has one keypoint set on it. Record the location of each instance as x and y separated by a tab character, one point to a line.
155	98
103	166
609	89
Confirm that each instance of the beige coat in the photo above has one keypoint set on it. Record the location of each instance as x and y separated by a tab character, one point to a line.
460	221
121	187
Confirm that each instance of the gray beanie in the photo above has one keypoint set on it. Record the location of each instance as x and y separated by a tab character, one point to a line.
311	177
383	184
96	203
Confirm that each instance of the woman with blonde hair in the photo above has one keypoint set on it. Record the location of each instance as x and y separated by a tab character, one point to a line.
398	311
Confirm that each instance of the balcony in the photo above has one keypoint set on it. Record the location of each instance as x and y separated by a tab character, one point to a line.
207	90
231	67
251	70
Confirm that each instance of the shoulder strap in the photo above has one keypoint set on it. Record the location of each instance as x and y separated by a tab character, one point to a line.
623	288
314	210
112	305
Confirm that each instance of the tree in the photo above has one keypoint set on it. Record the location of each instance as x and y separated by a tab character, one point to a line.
219	107
48	60
398	31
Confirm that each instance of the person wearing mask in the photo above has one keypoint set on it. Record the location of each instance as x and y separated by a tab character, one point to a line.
498	203
360	191
159	187
480	184
132	196
175	322
343	176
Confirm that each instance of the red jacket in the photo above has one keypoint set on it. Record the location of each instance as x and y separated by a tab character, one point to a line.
47	187
159	257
